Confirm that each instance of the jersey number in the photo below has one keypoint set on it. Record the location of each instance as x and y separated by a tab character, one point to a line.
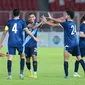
73	29
14	29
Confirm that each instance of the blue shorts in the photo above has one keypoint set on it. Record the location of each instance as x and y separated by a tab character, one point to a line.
75	51
30	51
82	50
12	49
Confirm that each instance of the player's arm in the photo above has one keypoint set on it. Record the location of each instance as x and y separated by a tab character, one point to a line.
59	20
49	22
30	34
3	35
36	26
52	24
82	34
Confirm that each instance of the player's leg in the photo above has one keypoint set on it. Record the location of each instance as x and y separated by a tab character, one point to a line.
28	55
66	57
34	65
81	61
77	65
34	58
22	60
76	69
11	52
9	65
28	63
78	52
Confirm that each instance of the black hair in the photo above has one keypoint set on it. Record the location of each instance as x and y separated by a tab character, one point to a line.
70	13
32	13
82	19
16	12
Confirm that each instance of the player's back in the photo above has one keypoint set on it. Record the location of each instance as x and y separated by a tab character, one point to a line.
16	27
70	38
82	39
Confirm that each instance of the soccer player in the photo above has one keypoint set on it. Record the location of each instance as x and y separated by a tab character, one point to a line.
31	45
81	45
70	39
15	29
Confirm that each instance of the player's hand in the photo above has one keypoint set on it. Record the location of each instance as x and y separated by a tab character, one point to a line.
49	16
44	19
37	40
30	25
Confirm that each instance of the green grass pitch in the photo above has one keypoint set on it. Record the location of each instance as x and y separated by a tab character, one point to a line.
50	70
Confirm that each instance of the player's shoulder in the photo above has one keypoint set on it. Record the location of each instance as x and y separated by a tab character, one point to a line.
71	22
10	21
82	25
21	20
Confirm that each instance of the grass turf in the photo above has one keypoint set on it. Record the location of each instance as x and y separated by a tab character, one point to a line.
50	70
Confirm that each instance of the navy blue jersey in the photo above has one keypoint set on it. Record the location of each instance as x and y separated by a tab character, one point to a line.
70	38
32	42
15	30
82	39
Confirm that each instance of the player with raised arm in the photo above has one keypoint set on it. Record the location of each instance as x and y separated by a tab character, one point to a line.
15	28
31	45
70	39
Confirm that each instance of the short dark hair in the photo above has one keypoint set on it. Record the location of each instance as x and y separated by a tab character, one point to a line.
16	12
82	19
32	13
70	13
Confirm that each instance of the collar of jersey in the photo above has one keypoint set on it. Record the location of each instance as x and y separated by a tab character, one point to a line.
16	18
70	20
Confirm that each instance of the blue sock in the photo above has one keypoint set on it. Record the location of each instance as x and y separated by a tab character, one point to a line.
66	68
22	66
76	66
82	64
9	65
28	65
35	66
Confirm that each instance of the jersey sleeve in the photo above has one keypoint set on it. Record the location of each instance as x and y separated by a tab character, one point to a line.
63	25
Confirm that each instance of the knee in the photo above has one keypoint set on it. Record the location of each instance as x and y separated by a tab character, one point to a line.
27	60
34	58
78	58
22	56
10	57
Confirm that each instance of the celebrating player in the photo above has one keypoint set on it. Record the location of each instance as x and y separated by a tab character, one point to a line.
81	45
15	28
31	45
70	38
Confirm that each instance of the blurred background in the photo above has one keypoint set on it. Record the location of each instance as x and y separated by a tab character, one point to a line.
49	36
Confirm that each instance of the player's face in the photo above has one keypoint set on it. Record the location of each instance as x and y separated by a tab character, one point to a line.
67	16
32	18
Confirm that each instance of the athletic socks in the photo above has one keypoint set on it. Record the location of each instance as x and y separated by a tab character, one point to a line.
35	66
82	64
22	66
9	65
76	66
28	66
66	68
